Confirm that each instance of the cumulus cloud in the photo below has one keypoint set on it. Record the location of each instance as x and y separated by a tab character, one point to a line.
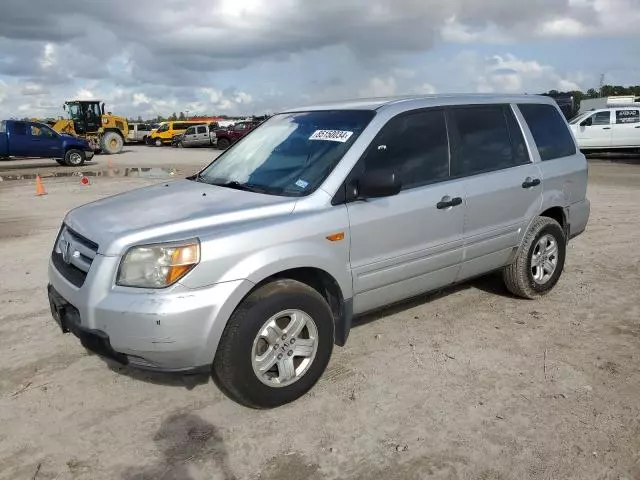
149	55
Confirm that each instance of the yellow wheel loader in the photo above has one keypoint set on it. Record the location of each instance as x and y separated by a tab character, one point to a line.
87	119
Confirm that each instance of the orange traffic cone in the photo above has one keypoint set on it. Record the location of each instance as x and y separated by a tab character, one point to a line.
84	181
39	187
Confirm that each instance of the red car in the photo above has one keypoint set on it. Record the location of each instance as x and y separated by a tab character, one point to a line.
227	136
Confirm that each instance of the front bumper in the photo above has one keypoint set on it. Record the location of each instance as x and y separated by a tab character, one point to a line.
171	330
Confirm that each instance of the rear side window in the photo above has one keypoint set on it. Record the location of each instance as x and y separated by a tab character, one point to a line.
549	131
19	128
628	116
3	127
416	146
487	138
202	130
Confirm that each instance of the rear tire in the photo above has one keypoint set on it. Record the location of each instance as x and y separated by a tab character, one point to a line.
540	262
112	143
300	354
223	143
74	158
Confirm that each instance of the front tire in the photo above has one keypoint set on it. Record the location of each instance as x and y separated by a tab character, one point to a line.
158	142
275	346
540	262
74	158
112	143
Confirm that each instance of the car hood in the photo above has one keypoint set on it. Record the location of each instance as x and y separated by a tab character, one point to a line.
169	211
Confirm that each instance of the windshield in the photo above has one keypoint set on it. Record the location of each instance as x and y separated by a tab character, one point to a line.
74	110
164	127
290	154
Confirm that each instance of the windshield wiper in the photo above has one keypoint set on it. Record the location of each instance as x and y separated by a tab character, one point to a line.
247	187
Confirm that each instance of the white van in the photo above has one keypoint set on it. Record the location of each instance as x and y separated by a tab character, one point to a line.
608	128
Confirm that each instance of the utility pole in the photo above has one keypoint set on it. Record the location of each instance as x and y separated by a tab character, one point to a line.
601	83
187	114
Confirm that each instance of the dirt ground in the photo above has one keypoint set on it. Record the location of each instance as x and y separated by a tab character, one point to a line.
469	383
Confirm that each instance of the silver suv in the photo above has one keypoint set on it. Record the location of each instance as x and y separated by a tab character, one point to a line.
254	268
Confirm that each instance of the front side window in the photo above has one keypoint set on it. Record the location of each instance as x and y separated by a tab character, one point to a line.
74	111
190	131
240	127
601	118
163	128
413	145
290	155
487	138
549	131
628	116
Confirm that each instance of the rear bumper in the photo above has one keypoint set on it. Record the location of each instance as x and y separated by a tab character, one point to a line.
578	217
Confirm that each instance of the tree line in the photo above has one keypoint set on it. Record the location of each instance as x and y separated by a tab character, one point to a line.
605	91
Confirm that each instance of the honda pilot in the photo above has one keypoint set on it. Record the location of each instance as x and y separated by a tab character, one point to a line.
254	268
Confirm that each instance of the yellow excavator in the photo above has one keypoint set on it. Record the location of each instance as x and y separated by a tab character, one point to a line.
105	132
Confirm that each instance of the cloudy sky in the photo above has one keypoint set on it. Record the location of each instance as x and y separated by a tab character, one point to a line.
149	57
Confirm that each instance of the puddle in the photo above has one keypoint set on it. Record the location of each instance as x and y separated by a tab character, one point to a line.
135	172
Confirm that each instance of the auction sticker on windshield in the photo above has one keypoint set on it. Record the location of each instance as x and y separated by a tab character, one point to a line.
331	135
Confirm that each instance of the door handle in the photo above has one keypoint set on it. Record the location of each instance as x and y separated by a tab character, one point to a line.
448	202
530	182
638	126
606	128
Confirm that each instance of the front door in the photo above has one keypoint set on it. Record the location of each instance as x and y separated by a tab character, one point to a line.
412	242
189	137
503	188
44	141
595	131
626	129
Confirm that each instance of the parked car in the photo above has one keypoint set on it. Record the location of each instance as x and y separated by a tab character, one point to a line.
197	136
165	133
253	268
138	132
228	136
608	129
35	139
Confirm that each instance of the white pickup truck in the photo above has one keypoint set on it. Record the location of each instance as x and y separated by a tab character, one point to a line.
608	129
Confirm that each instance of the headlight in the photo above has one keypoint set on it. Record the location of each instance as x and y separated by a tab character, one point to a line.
158	266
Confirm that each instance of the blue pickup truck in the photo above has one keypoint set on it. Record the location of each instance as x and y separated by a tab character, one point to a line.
34	139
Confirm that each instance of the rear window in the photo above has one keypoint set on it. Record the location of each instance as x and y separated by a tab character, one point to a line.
549	130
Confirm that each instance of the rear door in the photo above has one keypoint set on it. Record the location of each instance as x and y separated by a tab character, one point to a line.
19	139
502	185
595	131
626	129
202	135
411	242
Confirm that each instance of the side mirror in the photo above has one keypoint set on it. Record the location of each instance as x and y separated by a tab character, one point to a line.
379	183
586	123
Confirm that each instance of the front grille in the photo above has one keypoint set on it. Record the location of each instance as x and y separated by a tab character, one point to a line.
73	255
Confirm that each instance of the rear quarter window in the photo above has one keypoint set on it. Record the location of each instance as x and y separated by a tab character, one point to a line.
549	129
